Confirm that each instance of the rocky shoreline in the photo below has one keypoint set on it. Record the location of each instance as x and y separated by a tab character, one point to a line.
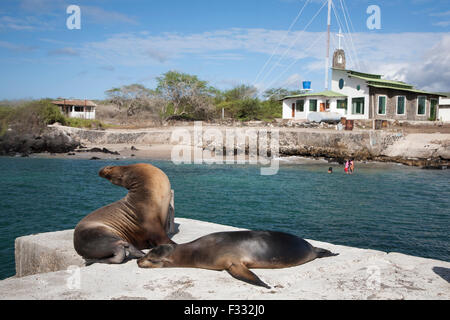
428	151
51	141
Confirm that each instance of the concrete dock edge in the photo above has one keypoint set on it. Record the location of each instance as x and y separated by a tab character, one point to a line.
49	268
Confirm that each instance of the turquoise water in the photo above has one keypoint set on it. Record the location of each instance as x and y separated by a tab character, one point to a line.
384	207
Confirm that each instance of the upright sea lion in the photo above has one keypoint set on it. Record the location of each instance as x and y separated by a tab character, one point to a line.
138	221
236	252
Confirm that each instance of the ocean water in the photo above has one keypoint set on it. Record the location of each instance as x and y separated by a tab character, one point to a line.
382	206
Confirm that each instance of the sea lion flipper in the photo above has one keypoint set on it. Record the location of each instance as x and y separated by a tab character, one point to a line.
241	272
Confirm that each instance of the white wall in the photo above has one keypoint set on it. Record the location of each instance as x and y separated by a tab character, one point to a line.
82	115
351	91
444	114
444	109
287	107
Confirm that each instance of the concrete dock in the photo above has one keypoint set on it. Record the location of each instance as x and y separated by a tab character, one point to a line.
48	268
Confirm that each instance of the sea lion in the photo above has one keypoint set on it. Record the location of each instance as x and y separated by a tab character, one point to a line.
236	252
138	221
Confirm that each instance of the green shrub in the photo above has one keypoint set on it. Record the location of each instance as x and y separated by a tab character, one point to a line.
5	116
83	123
51	114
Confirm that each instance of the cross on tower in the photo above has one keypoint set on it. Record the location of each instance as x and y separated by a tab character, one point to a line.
340	35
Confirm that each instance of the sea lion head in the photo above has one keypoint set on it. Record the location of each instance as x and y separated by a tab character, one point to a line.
157	257
126	176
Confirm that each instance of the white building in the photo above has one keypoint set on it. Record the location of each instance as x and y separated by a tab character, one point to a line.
358	95
84	109
444	107
298	107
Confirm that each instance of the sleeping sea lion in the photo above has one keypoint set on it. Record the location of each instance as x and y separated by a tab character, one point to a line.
236	252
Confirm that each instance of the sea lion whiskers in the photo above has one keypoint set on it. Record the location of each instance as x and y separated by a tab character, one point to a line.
158	257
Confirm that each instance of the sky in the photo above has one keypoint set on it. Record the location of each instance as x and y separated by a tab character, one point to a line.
265	43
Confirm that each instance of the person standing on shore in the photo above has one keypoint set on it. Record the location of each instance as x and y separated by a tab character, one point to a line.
347	165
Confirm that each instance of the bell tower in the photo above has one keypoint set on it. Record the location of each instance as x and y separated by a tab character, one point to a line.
339	59
339	54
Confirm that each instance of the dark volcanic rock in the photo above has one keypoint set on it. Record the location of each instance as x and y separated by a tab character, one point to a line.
101	150
25	144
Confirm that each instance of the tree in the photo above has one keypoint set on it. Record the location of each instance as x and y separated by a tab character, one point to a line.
133	97
240	102
279	93
185	93
240	92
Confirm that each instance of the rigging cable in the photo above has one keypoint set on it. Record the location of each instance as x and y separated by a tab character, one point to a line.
296	39
281	41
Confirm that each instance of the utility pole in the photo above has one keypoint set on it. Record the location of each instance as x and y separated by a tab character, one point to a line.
327	59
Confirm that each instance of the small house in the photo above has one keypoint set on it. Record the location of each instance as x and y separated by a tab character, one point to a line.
300	106
84	109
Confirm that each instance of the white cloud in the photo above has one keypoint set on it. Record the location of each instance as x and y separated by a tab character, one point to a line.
102	16
440	14
432	72
66	51
16	47
396	55
137	48
18	24
442	23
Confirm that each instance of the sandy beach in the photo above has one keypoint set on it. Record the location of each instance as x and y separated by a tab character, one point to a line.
150	152
307	145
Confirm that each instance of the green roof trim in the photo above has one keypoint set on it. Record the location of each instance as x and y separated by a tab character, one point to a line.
364	75
376	79
444	94
328	94
397	84
361	74
404	89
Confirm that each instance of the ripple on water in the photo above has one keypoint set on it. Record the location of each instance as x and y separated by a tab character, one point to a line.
383	207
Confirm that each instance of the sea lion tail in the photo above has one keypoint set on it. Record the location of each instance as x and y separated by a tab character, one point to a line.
322	253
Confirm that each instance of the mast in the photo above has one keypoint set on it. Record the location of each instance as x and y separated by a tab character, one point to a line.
327	59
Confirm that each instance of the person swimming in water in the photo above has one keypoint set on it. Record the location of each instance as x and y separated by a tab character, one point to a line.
351	166
330	170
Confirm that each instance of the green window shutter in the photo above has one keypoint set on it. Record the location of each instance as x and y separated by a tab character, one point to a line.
400	105
313	105
381	105
421	108
342	104
300	105
358	106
